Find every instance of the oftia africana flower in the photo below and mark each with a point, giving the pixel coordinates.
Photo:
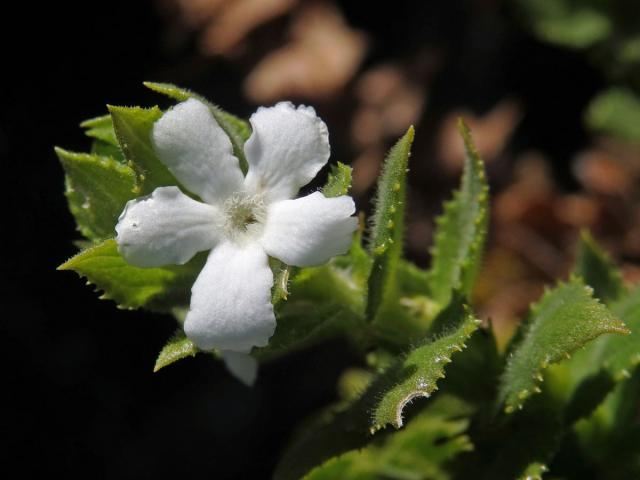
(242, 219)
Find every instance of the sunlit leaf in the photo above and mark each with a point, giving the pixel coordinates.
(133, 127)
(563, 320)
(161, 288)
(97, 189)
(177, 348)
(387, 230)
(421, 450)
(461, 230)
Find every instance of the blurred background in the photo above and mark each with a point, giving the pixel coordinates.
(550, 89)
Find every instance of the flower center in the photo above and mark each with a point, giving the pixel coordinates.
(244, 216)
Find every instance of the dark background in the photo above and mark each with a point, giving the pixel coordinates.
(81, 398)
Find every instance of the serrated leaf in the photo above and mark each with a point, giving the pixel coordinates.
(615, 112)
(461, 230)
(133, 127)
(105, 142)
(565, 319)
(100, 128)
(131, 287)
(421, 450)
(350, 427)
(237, 129)
(177, 348)
(418, 373)
(387, 230)
(593, 372)
(339, 181)
(97, 189)
(597, 270)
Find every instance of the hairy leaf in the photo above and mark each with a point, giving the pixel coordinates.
(350, 427)
(100, 128)
(105, 142)
(565, 319)
(597, 270)
(97, 189)
(418, 373)
(461, 230)
(132, 287)
(237, 129)
(177, 348)
(421, 450)
(133, 127)
(339, 181)
(387, 231)
(593, 372)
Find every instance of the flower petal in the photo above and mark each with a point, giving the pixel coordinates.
(309, 230)
(189, 141)
(241, 365)
(231, 300)
(286, 150)
(166, 228)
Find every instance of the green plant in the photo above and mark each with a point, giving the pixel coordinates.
(438, 399)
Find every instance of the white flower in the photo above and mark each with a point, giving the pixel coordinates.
(243, 220)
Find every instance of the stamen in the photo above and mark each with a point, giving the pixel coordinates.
(245, 215)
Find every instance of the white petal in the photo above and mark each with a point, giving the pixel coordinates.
(231, 300)
(309, 230)
(189, 141)
(285, 151)
(241, 365)
(166, 228)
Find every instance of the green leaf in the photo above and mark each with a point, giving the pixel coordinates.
(133, 127)
(615, 112)
(105, 142)
(418, 373)
(131, 287)
(593, 372)
(97, 189)
(387, 231)
(597, 270)
(237, 129)
(350, 427)
(570, 23)
(621, 354)
(322, 302)
(100, 128)
(421, 450)
(177, 348)
(461, 230)
(611, 435)
(565, 319)
(339, 181)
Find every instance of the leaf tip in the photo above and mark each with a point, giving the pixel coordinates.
(411, 132)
